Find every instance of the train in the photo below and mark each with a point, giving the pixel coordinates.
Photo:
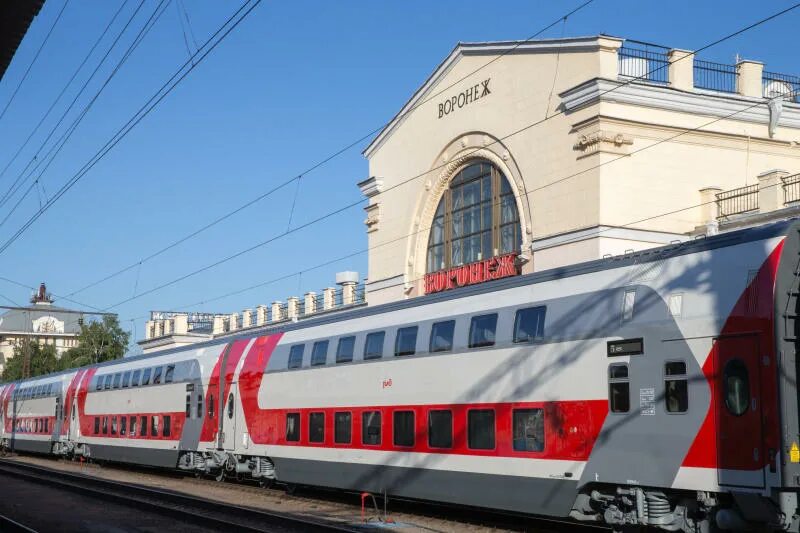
(652, 389)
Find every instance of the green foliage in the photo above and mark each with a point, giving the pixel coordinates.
(43, 360)
(98, 341)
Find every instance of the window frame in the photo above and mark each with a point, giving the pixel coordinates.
(668, 377)
(293, 361)
(395, 414)
(369, 356)
(158, 372)
(431, 429)
(482, 410)
(319, 353)
(617, 380)
(312, 437)
(397, 337)
(169, 374)
(524, 411)
(366, 418)
(294, 438)
(146, 374)
(135, 377)
(472, 325)
(542, 316)
(337, 417)
(344, 357)
(445, 323)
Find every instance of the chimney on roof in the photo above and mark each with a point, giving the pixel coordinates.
(41, 296)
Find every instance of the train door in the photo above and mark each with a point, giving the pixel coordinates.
(740, 447)
(229, 435)
(74, 423)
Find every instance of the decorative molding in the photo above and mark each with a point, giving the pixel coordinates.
(373, 217)
(608, 232)
(722, 105)
(371, 186)
(602, 141)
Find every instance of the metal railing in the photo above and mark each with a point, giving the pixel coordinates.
(715, 76)
(776, 84)
(736, 201)
(791, 189)
(645, 61)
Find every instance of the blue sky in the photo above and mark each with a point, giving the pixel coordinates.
(295, 82)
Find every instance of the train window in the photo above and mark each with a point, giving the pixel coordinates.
(373, 346)
(405, 342)
(344, 351)
(105, 425)
(169, 374)
(480, 429)
(114, 425)
(133, 426)
(188, 406)
(403, 428)
(230, 405)
(123, 424)
(371, 428)
(528, 430)
(440, 428)
(293, 427)
(481, 330)
(737, 387)
(97, 425)
(319, 353)
(442, 336)
(117, 380)
(36, 426)
(676, 387)
(143, 426)
(199, 405)
(126, 379)
(146, 376)
(210, 406)
(619, 391)
(154, 426)
(135, 380)
(107, 385)
(296, 356)
(167, 426)
(529, 324)
(316, 427)
(627, 305)
(342, 427)
(157, 375)
(46, 425)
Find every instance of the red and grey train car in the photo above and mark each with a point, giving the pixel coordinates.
(653, 389)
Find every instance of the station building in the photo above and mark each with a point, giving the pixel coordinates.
(519, 156)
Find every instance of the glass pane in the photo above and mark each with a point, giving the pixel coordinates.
(316, 427)
(508, 241)
(344, 352)
(371, 427)
(442, 336)
(404, 428)
(406, 341)
(529, 430)
(487, 250)
(293, 427)
(529, 324)
(373, 347)
(440, 429)
(296, 356)
(737, 387)
(457, 225)
(472, 193)
(342, 428)
(675, 368)
(677, 395)
(487, 215)
(481, 331)
(319, 354)
(456, 255)
(619, 394)
(486, 188)
(618, 371)
(480, 429)
(437, 231)
(508, 209)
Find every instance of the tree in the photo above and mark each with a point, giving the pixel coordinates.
(43, 360)
(98, 341)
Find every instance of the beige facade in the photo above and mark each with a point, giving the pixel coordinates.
(599, 163)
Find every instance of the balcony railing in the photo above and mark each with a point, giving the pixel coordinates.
(647, 62)
(785, 85)
(715, 76)
(791, 189)
(736, 201)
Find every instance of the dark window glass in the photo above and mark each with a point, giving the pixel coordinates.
(737, 387)
(188, 406)
(529, 324)
(480, 429)
(404, 428)
(210, 406)
(96, 425)
(133, 426)
(157, 375)
(440, 429)
(200, 405)
(168, 375)
(619, 393)
(481, 330)
(154, 426)
(342, 428)
(98, 385)
(293, 427)
(107, 385)
(230, 405)
(316, 427)
(296, 356)
(123, 423)
(143, 426)
(146, 376)
(137, 374)
(676, 387)
(373, 346)
(344, 352)
(114, 425)
(105, 425)
(319, 353)
(529, 430)
(167, 426)
(406, 341)
(442, 336)
(117, 380)
(126, 379)
(371, 427)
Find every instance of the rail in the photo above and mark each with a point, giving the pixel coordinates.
(737, 201)
(645, 61)
(715, 76)
(791, 189)
(785, 85)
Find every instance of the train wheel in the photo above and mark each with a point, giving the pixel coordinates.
(220, 476)
(266, 483)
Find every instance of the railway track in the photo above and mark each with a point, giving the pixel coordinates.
(182, 507)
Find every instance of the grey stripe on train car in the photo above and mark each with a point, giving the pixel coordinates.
(191, 375)
(139, 456)
(34, 446)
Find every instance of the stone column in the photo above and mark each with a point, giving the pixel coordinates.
(158, 330)
(277, 311)
(148, 330)
(328, 298)
(608, 56)
(681, 69)
(181, 324)
(348, 281)
(247, 318)
(770, 190)
(708, 209)
(219, 325)
(168, 326)
(749, 80)
(292, 305)
(261, 315)
(233, 322)
(310, 302)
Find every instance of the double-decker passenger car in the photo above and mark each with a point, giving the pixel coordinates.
(657, 389)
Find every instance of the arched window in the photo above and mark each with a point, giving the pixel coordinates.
(476, 219)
